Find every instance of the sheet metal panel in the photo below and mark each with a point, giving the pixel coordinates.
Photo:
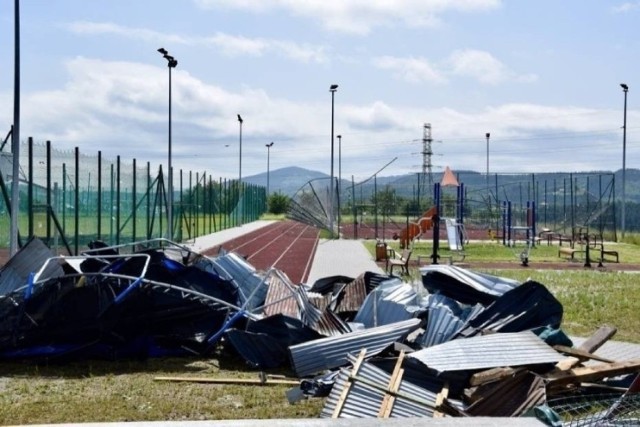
(364, 401)
(281, 298)
(446, 318)
(463, 285)
(251, 287)
(328, 353)
(29, 259)
(389, 303)
(488, 351)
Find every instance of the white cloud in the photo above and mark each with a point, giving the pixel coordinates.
(479, 65)
(626, 7)
(412, 70)
(360, 16)
(226, 43)
(121, 109)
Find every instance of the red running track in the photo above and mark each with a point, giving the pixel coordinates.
(288, 246)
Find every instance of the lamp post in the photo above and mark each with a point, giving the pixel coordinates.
(332, 89)
(487, 135)
(171, 63)
(269, 145)
(625, 89)
(240, 211)
(339, 181)
(15, 137)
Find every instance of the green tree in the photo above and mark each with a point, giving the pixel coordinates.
(278, 203)
(387, 201)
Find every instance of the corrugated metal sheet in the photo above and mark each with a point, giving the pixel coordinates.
(488, 351)
(259, 350)
(281, 298)
(391, 302)
(364, 401)
(446, 318)
(29, 259)
(352, 296)
(511, 397)
(465, 286)
(328, 353)
(525, 307)
(251, 286)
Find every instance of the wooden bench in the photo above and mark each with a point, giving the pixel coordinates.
(395, 260)
(568, 252)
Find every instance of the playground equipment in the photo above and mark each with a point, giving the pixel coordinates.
(415, 229)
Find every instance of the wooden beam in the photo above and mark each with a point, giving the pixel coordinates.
(580, 354)
(590, 374)
(245, 381)
(440, 398)
(347, 386)
(394, 385)
(595, 341)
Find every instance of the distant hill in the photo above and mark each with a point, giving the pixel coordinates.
(290, 179)
(286, 180)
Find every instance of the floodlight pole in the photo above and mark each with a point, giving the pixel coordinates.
(171, 63)
(269, 145)
(332, 89)
(487, 135)
(240, 202)
(625, 89)
(339, 180)
(15, 137)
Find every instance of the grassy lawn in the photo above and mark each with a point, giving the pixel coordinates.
(590, 297)
(102, 391)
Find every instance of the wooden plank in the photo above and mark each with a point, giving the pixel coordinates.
(590, 374)
(580, 354)
(347, 387)
(394, 384)
(440, 399)
(240, 381)
(489, 375)
(595, 341)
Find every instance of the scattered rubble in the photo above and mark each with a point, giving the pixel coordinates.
(462, 344)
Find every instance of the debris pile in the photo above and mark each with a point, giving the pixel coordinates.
(462, 344)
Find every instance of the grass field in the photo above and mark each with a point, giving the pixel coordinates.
(103, 391)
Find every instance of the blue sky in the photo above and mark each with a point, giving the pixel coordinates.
(542, 77)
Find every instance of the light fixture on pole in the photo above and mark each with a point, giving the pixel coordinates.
(269, 145)
(339, 181)
(488, 135)
(171, 63)
(332, 89)
(241, 211)
(625, 89)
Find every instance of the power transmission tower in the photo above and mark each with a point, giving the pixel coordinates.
(427, 152)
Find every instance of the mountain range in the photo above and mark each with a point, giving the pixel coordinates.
(289, 180)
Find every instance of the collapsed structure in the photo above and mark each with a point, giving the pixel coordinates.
(461, 344)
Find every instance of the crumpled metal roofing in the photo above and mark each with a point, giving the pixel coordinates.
(251, 286)
(465, 286)
(446, 318)
(392, 301)
(328, 353)
(364, 401)
(526, 307)
(488, 351)
(29, 259)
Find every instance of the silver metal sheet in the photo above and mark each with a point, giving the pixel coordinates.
(328, 353)
(488, 351)
(29, 259)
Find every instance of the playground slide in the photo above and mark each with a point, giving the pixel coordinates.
(414, 229)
